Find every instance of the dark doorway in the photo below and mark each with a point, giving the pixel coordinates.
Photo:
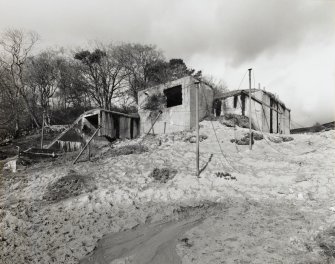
(217, 107)
(93, 119)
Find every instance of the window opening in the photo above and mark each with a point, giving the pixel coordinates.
(173, 96)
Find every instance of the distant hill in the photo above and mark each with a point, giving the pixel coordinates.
(314, 129)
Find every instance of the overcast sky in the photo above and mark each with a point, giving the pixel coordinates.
(288, 43)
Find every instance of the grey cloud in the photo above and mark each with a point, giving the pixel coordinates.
(239, 30)
(243, 30)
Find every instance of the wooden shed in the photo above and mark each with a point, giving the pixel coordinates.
(113, 125)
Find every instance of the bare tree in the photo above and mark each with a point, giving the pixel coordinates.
(141, 62)
(16, 47)
(9, 103)
(73, 91)
(43, 76)
(219, 86)
(103, 73)
(146, 66)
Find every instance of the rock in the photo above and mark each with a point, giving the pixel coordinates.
(286, 139)
(275, 139)
(193, 139)
(242, 141)
(10, 165)
(258, 136)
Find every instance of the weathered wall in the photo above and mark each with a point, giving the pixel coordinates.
(287, 121)
(262, 117)
(228, 106)
(266, 113)
(206, 95)
(176, 118)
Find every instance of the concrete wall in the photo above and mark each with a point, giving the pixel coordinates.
(286, 122)
(266, 113)
(260, 112)
(227, 106)
(173, 119)
(206, 95)
(256, 108)
(176, 118)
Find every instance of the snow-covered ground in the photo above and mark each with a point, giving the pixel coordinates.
(279, 198)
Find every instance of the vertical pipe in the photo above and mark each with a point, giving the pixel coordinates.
(42, 133)
(197, 125)
(250, 141)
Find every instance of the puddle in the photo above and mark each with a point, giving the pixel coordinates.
(151, 243)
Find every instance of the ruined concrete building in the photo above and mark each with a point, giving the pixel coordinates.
(179, 113)
(268, 113)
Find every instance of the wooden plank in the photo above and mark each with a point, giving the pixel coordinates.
(108, 125)
(64, 132)
(113, 126)
(122, 127)
(128, 128)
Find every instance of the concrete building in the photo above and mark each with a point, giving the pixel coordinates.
(268, 113)
(179, 113)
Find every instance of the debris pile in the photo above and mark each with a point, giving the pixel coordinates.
(68, 186)
(326, 241)
(193, 139)
(225, 175)
(231, 120)
(163, 175)
(279, 139)
(246, 139)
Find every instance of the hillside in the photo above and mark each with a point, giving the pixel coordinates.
(274, 204)
(313, 129)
